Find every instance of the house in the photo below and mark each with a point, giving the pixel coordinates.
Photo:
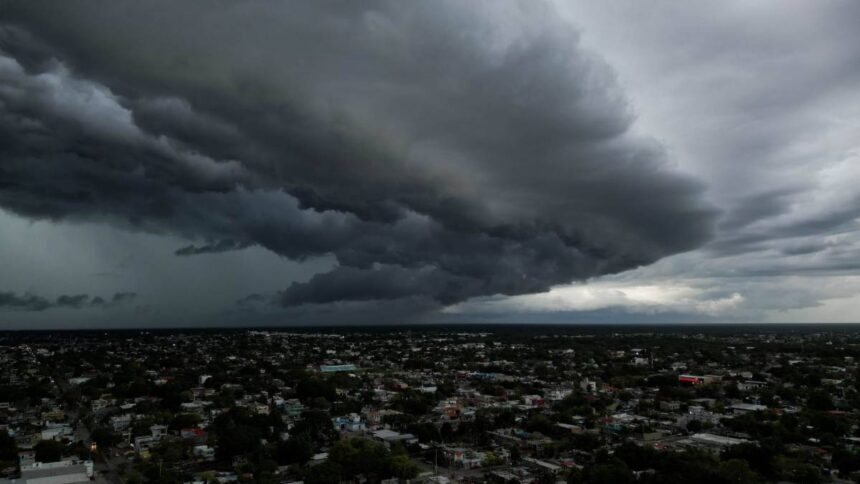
(558, 394)
(61, 472)
(543, 465)
(292, 407)
(99, 404)
(389, 436)
(121, 422)
(54, 415)
(751, 385)
(714, 443)
(351, 422)
(741, 408)
(670, 406)
(158, 431)
(192, 407)
(462, 457)
(56, 431)
(698, 379)
(142, 444)
(375, 417)
(204, 452)
(588, 386)
(574, 429)
(337, 368)
(197, 434)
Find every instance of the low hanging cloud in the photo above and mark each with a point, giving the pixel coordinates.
(223, 245)
(32, 302)
(444, 151)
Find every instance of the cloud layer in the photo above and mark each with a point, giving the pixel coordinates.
(32, 302)
(444, 151)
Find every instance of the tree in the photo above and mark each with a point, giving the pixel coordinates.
(361, 456)
(310, 388)
(402, 467)
(171, 395)
(694, 426)
(540, 423)
(612, 472)
(133, 477)
(505, 418)
(371, 459)
(236, 440)
(141, 426)
(326, 473)
(516, 455)
(8, 455)
(737, 470)
(49, 451)
(847, 462)
(184, 421)
(37, 390)
(8, 447)
(820, 400)
(732, 390)
(574, 476)
(317, 425)
(492, 459)
(426, 432)
(81, 450)
(759, 457)
(796, 471)
(447, 432)
(414, 404)
(104, 437)
(297, 450)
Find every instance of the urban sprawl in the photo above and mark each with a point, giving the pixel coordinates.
(434, 406)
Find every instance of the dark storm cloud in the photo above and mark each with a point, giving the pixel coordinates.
(27, 302)
(223, 245)
(121, 297)
(752, 208)
(252, 299)
(439, 151)
(789, 236)
(76, 301)
(32, 302)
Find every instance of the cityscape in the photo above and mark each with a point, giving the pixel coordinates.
(436, 405)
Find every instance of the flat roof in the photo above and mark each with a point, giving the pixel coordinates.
(717, 439)
(346, 367)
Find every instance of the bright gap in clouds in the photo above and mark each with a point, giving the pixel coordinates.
(641, 298)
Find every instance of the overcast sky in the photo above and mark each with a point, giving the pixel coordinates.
(221, 163)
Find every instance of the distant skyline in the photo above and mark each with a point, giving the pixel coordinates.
(255, 163)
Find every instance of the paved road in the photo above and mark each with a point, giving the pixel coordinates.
(105, 471)
(109, 465)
